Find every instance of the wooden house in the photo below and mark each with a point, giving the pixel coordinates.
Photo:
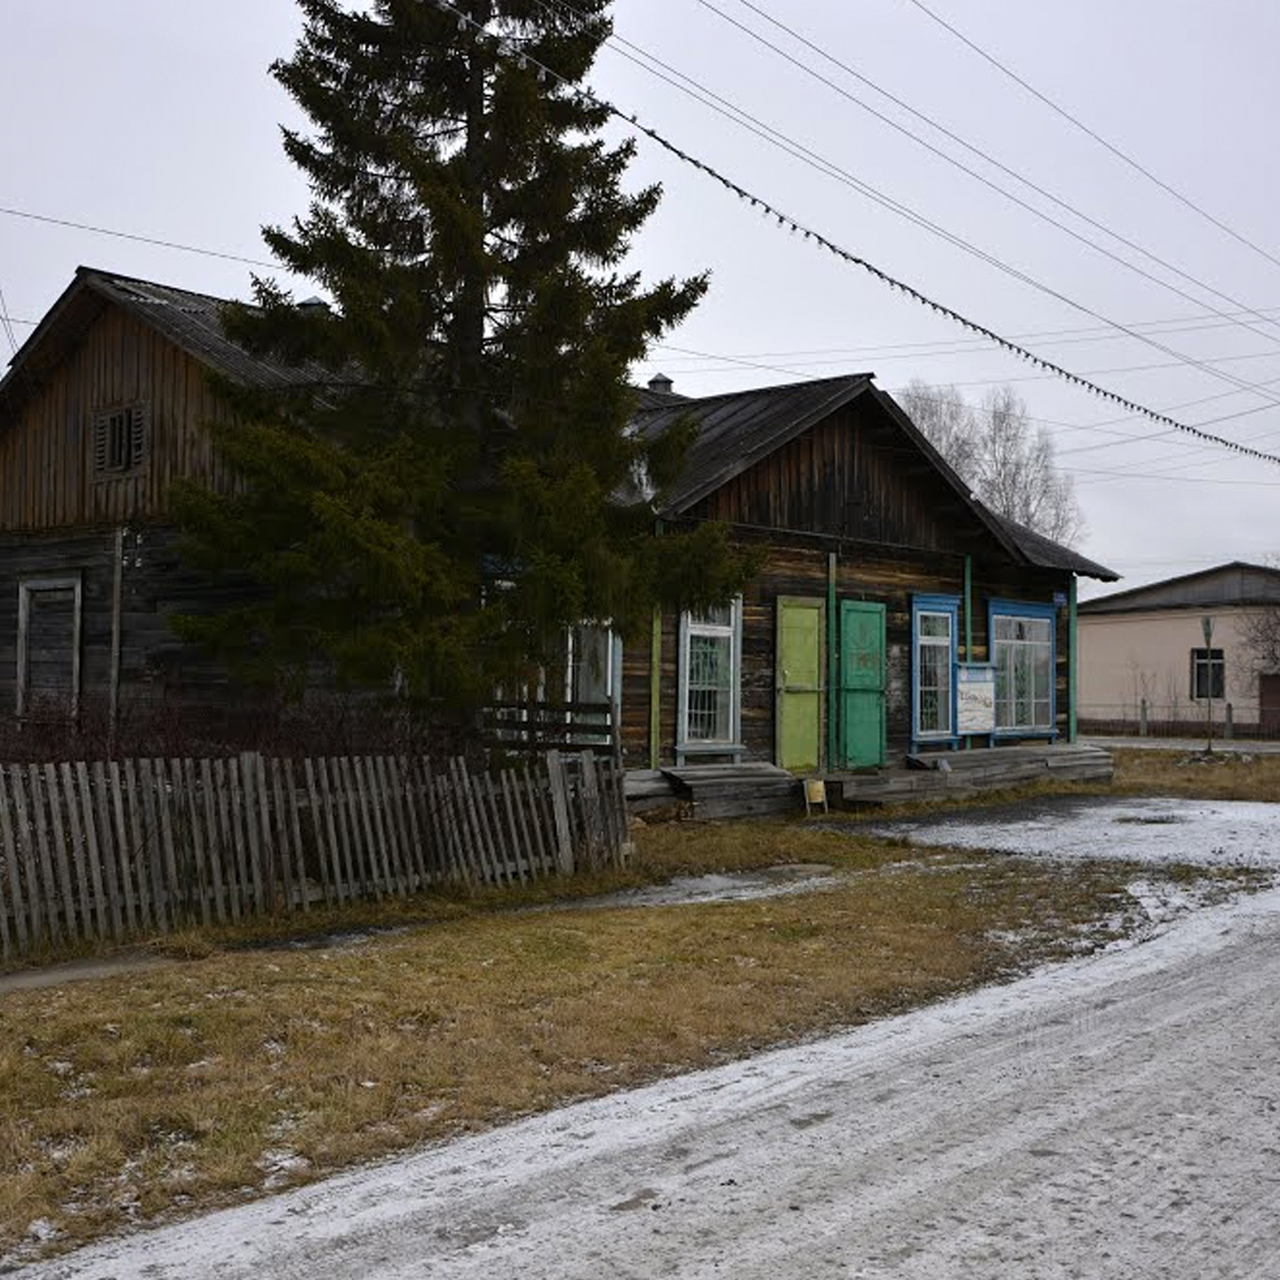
(893, 612)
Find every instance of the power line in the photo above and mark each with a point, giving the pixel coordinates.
(140, 239)
(990, 159)
(1101, 141)
(807, 156)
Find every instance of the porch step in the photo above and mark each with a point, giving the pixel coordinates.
(969, 772)
(714, 791)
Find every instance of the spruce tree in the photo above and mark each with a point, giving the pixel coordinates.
(442, 487)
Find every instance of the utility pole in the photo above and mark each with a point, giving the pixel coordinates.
(1206, 624)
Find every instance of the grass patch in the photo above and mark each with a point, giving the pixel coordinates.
(1227, 775)
(247, 1069)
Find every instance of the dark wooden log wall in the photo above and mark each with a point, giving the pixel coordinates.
(796, 565)
(46, 465)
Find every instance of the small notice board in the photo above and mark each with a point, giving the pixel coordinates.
(976, 697)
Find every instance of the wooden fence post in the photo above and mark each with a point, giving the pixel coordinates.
(560, 810)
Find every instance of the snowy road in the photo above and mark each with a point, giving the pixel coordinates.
(1114, 1117)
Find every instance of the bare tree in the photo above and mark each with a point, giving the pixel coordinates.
(1260, 634)
(994, 448)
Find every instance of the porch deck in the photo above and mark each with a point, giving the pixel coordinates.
(711, 791)
(960, 773)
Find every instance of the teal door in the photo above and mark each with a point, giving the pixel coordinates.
(861, 684)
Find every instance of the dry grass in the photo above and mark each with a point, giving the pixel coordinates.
(226, 1076)
(1225, 776)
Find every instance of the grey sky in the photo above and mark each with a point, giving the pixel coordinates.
(159, 118)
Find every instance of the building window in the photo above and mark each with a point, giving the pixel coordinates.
(1022, 652)
(119, 441)
(710, 685)
(48, 657)
(1208, 674)
(593, 678)
(933, 620)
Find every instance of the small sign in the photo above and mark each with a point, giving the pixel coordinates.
(976, 697)
(1206, 625)
(1059, 599)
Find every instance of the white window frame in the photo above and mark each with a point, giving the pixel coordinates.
(931, 606)
(691, 626)
(1022, 611)
(1206, 659)
(612, 672)
(27, 587)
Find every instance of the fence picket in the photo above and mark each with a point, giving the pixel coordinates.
(16, 902)
(48, 886)
(152, 843)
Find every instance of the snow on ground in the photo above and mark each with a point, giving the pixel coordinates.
(1118, 1115)
(1155, 831)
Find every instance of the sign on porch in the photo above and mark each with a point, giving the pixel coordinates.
(976, 697)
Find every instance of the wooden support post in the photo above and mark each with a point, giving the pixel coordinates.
(655, 692)
(833, 666)
(1073, 660)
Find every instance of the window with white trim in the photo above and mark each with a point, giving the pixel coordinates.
(1022, 652)
(935, 661)
(1208, 674)
(710, 685)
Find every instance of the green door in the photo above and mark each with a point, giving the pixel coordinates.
(799, 683)
(861, 684)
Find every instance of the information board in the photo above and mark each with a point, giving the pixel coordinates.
(976, 697)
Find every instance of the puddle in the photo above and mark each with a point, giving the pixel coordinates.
(731, 886)
(1240, 833)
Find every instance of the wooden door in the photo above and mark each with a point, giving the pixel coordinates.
(799, 683)
(1269, 705)
(862, 727)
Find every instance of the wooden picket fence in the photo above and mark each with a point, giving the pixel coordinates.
(121, 848)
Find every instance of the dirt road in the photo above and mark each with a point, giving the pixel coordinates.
(1119, 1116)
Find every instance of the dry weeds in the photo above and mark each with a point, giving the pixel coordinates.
(235, 1073)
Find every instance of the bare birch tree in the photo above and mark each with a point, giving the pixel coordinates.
(994, 447)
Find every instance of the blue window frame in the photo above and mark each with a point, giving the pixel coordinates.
(1022, 644)
(934, 626)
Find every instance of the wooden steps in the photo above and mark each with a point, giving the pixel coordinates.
(712, 791)
(967, 772)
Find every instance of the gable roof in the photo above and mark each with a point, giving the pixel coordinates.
(737, 429)
(191, 321)
(1235, 583)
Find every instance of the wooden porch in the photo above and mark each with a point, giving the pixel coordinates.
(714, 791)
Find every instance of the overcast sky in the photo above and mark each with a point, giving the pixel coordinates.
(159, 119)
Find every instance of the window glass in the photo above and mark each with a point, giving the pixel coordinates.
(1208, 673)
(710, 676)
(934, 661)
(1022, 651)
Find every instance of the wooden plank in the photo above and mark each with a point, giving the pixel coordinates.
(295, 835)
(326, 838)
(460, 841)
(161, 892)
(361, 831)
(348, 826)
(230, 851)
(281, 830)
(483, 786)
(386, 857)
(168, 791)
(135, 847)
(397, 829)
(117, 865)
(438, 849)
(413, 791)
(344, 877)
(592, 811)
(560, 813)
(31, 812)
(540, 849)
(521, 850)
(58, 844)
(16, 896)
(469, 838)
(79, 861)
(214, 845)
(191, 788)
(271, 858)
(250, 808)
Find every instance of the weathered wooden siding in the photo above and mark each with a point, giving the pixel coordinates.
(47, 478)
(853, 476)
(798, 566)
